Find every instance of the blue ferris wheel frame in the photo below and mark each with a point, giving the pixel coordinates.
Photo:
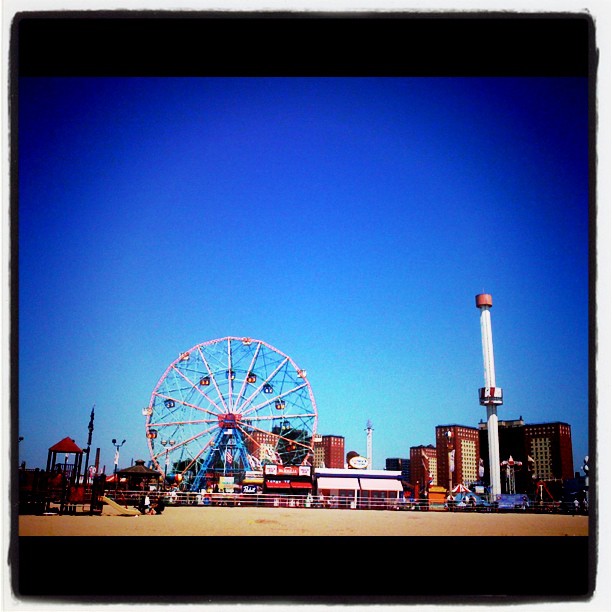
(228, 406)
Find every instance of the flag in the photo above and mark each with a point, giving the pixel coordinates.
(228, 457)
(480, 468)
(452, 460)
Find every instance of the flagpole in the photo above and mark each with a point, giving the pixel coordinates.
(90, 428)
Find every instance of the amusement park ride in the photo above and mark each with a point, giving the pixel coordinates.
(228, 406)
(490, 395)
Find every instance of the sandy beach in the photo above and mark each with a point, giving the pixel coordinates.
(242, 521)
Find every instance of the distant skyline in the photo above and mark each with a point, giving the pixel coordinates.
(348, 222)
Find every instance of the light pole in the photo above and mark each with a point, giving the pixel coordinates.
(167, 444)
(449, 447)
(117, 447)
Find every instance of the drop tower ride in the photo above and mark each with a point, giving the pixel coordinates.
(490, 395)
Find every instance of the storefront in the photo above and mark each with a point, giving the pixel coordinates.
(358, 488)
(287, 479)
(379, 492)
(339, 490)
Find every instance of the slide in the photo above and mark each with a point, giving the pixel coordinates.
(118, 507)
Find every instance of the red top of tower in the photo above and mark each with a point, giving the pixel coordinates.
(484, 299)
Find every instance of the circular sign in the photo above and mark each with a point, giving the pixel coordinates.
(358, 462)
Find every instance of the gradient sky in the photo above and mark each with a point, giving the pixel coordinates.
(348, 222)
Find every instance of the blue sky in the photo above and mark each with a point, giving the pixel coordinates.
(348, 222)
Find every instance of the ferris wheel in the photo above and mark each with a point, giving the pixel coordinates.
(227, 406)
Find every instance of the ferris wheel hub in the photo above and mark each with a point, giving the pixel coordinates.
(229, 421)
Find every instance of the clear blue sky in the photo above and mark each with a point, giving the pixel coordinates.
(347, 222)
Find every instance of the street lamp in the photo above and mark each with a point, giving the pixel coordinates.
(449, 447)
(117, 447)
(167, 444)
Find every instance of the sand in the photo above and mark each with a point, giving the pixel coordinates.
(243, 521)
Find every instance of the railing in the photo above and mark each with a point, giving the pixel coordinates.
(270, 500)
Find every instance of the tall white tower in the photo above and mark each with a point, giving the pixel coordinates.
(369, 430)
(490, 395)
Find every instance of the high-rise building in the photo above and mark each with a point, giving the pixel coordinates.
(541, 451)
(458, 453)
(329, 451)
(399, 465)
(550, 447)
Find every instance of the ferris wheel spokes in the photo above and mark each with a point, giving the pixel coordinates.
(213, 378)
(261, 387)
(278, 436)
(248, 374)
(185, 443)
(169, 398)
(195, 388)
(275, 398)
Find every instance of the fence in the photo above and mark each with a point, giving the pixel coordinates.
(269, 500)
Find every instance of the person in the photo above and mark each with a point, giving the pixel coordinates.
(145, 504)
(450, 502)
(159, 506)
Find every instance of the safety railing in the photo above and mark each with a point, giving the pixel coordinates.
(270, 500)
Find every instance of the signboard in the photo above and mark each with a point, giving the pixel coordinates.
(226, 483)
(249, 488)
(358, 462)
(287, 470)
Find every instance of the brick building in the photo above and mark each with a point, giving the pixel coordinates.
(329, 451)
(543, 449)
(423, 467)
(458, 454)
